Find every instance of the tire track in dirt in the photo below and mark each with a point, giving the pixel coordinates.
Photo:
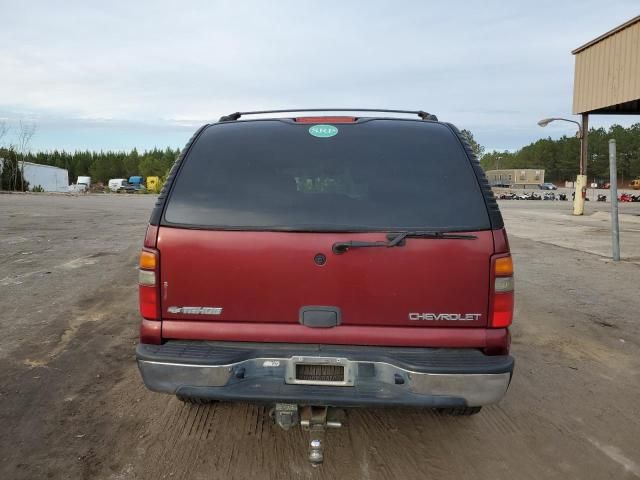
(240, 442)
(571, 411)
(496, 420)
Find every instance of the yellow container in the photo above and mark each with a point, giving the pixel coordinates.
(153, 184)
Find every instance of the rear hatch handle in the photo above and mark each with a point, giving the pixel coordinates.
(398, 240)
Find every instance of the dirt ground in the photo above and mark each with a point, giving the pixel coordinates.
(72, 404)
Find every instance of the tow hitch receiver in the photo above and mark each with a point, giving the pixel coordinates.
(313, 419)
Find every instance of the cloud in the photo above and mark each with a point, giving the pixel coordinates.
(493, 67)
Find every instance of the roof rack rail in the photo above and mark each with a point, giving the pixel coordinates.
(423, 115)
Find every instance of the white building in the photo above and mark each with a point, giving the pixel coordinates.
(52, 179)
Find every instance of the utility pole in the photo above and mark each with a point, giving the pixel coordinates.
(613, 182)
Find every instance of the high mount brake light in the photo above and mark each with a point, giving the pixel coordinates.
(325, 119)
(501, 309)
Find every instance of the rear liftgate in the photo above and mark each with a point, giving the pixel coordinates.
(324, 371)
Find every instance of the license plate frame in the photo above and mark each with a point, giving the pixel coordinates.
(348, 369)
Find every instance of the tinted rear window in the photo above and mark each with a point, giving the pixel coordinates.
(373, 175)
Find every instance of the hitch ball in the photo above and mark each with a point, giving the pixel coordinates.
(316, 456)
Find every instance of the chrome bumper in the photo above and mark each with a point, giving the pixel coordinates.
(381, 383)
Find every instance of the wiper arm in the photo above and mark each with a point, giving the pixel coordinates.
(398, 240)
(341, 247)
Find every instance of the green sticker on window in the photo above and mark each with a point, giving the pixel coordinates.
(323, 131)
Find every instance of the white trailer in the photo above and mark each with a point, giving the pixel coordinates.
(51, 179)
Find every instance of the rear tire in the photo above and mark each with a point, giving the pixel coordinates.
(459, 411)
(194, 400)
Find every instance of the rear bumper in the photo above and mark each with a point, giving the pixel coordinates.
(373, 376)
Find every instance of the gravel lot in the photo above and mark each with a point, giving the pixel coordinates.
(72, 404)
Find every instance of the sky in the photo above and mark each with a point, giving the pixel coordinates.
(118, 75)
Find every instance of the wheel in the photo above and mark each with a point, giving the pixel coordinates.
(194, 400)
(458, 411)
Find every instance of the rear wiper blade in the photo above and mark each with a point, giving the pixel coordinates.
(398, 240)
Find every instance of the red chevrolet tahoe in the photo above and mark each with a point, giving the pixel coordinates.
(327, 262)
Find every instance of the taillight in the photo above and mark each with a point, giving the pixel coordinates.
(148, 259)
(501, 309)
(148, 284)
(148, 302)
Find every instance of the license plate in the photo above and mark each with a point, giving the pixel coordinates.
(319, 373)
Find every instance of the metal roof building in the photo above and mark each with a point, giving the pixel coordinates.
(607, 72)
(516, 177)
(606, 81)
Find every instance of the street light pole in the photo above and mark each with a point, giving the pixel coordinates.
(581, 179)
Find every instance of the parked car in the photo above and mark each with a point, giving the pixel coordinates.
(547, 186)
(311, 263)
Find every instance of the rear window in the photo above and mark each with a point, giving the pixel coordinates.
(372, 175)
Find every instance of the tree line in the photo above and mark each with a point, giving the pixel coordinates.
(100, 166)
(103, 165)
(559, 158)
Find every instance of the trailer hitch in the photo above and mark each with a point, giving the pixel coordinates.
(312, 419)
